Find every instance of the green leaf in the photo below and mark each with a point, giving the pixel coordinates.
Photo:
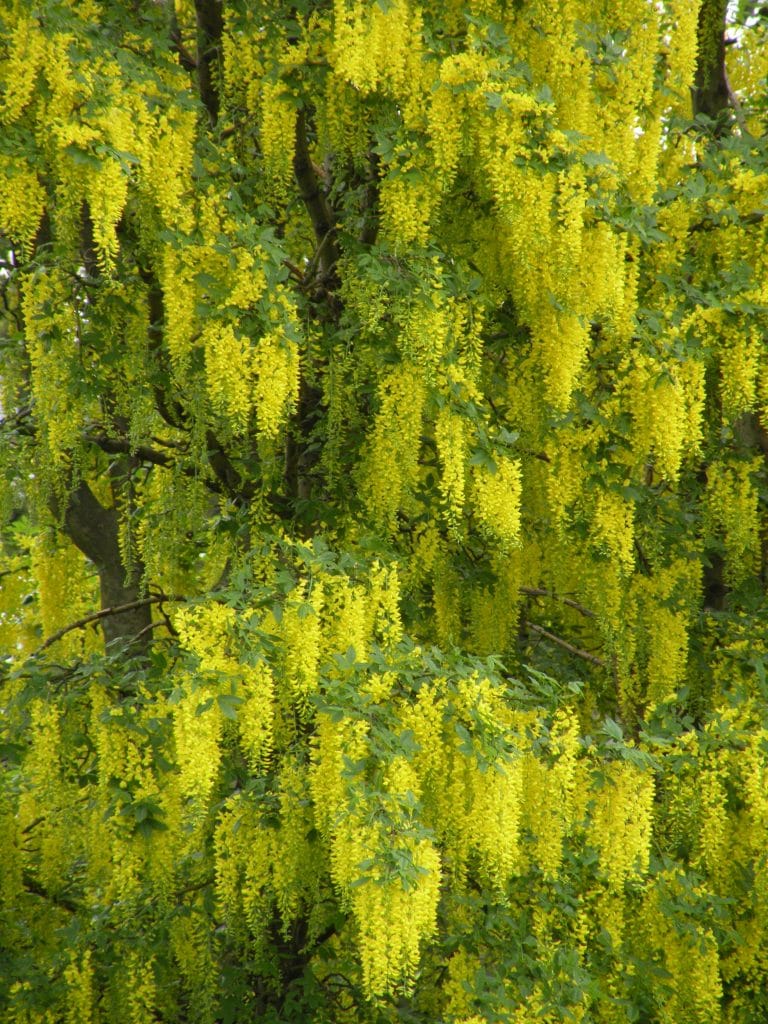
(228, 705)
(613, 730)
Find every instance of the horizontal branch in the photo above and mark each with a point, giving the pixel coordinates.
(33, 825)
(585, 655)
(121, 446)
(540, 592)
(32, 886)
(225, 482)
(104, 613)
(755, 217)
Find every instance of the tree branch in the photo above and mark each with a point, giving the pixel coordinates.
(121, 446)
(539, 592)
(712, 93)
(592, 658)
(119, 609)
(34, 888)
(370, 202)
(318, 207)
(210, 25)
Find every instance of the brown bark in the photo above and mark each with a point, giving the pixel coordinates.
(711, 91)
(210, 25)
(94, 530)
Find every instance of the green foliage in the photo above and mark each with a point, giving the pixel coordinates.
(382, 488)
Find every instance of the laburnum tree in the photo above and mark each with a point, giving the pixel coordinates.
(383, 485)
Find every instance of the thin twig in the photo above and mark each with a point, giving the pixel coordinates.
(195, 886)
(150, 626)
(33, 825)
(565, 645)
(34, 887)
(540, 592)
(95, 616)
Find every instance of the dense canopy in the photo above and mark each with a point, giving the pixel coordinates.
(383, 499)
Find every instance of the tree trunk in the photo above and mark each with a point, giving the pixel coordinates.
(94, 530)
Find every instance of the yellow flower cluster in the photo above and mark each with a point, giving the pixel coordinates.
(494, 612)
(296, 863)
(344, 121)
(376, 46)
(204, 630)
(26, 56)
(21, 202)
(277, 136)
(624, 315)
(331, 743)
(393, 921)
(425, 326)
(620, 824)
(228, 373)
(391, 467)
(548, 795)
(255, 718)
(78, 975)
(64, 593)
(613, 529)
(193, 954)
(43, 762)
(660, 607)
(451, 438)
(134, 142)
(141, 988)
(695, 990)
(740, 359)
(604, 253)
(114, 132)
(457, 986)
(562, 344)
(197, 718)
(255, 849)
(497, 501)
(228, 861)
(754, 763)
(50, 327)
(179, 298)
(197, 739)
(246, 278)
(668, 652)
(681, 50)
(11, 860)
(747, 70)
(446, 598)
(348, 617)
(275, 362)
(445, 133)
(569, 209)
(166, 164)
(565, 476)
(712, 819)
(407, 198)
(46, 794)
(494, 820)
(475, 808)
(302, 637)
(18, 626)
(524, 201)
(660, 418)
(384, 599)
(732, 510)
(243, 61)
(257, 867)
